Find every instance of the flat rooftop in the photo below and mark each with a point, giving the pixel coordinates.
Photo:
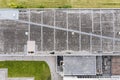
(79, 65)
(60, 30)
(116, 65)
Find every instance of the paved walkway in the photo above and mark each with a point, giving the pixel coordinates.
(19, 78)
(3, 74)
(51, 60)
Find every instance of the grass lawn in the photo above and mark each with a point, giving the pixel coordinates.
(37, 69)
(59, 3)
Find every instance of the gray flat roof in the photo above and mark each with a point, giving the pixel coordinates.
(79, 65)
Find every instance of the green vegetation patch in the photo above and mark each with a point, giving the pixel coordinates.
(60, 3)
(65, 6)
(37, 69)
(111, 4)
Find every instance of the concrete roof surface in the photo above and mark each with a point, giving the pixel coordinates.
(78, 65)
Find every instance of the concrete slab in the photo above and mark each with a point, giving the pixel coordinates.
(75, 78)
(25, 78)
(3, 74)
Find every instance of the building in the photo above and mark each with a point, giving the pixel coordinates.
(85, 42)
